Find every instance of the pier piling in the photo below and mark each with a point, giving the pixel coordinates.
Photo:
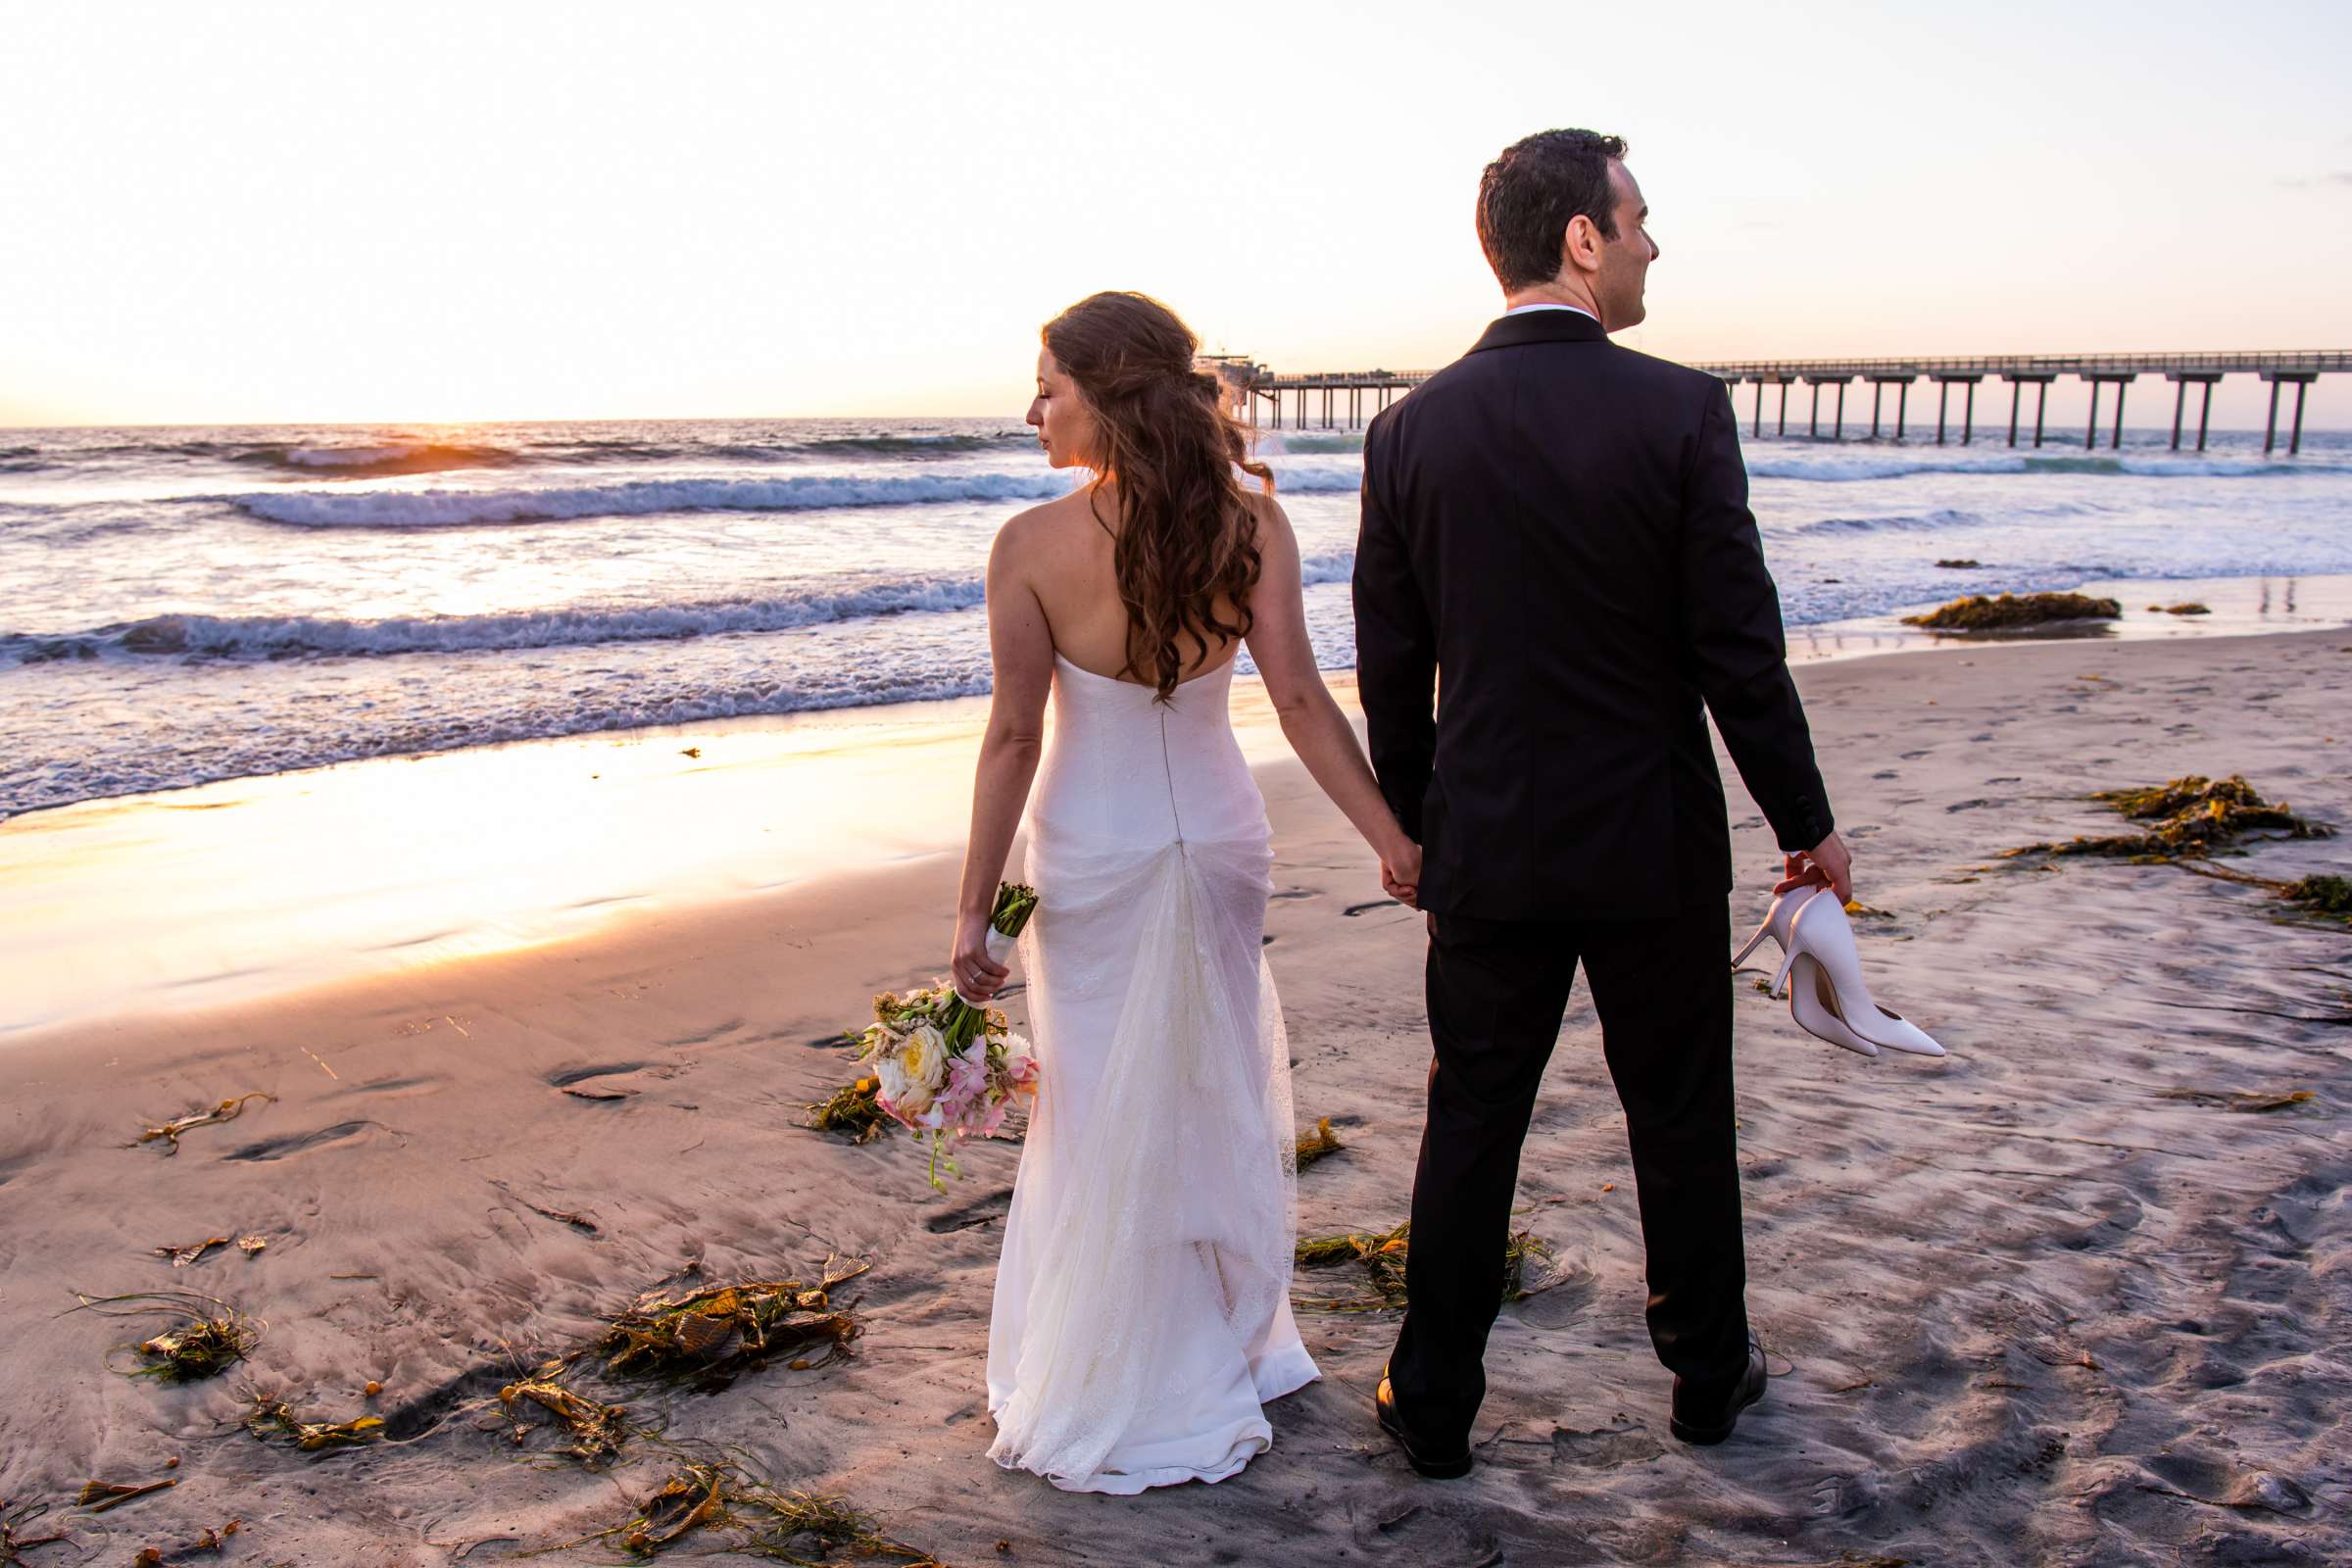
(2302, 380)
(1901, 381)
(2118, 379)
(2181, 381)
(1943, 387)
(2018, 381)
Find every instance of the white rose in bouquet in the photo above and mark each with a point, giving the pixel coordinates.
(925, 1056)
(891, 1073)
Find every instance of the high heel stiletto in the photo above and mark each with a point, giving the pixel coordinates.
(1814, 1006)
(1830, 1000)
(1776, 921)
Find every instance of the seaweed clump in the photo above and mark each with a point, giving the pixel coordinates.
(855, 1109)
(597, 1431)
(1315, 1145)
(18, 1516)
(1383, 1256)
(2186, 608)
(2009, 611)
(803, 1528)
(2188, 818)
(275, 1418)
(213, 1338)
(2323, 894)
(728, 1328)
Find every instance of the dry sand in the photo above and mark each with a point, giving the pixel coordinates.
(2027, 1305)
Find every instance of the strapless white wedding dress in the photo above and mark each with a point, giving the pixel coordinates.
(1142, 1315)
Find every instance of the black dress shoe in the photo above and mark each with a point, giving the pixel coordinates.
(1705, 1416)
(1436, 1466)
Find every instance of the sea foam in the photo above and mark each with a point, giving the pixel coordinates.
(274, 637)
(457, 508)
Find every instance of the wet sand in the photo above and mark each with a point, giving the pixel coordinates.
(2037, 1302)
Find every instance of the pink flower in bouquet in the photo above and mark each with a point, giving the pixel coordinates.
(968, 1072)
(1020, 1070)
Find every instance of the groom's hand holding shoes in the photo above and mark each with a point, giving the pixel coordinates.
(1825, 864)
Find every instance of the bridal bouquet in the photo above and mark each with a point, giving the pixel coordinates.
(946, 1066)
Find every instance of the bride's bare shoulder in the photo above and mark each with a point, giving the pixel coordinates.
(1047, 532)
(1273, 524)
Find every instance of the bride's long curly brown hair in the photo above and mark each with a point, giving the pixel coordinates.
(1187, 542)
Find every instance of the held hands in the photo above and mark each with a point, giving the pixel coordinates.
(974, 972)
(1825, 864)
(1400, 873)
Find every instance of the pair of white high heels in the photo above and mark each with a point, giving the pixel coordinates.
(1822, 972)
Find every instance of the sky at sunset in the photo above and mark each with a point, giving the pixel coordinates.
(361, 212)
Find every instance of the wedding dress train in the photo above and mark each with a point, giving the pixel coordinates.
(1142, 1314)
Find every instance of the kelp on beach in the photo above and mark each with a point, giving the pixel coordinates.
(274, 1418)
(97, 1496)
(195, 1252)
(855, 1109)
(596, 1430)
(15, 1518)
(805, 1529)
(2189, 817)
(1317, 1143)
(2012, 611)
(1383, 1255)
(2192, 818)
(228, 1110)
(213, 1336)
(721, 1328)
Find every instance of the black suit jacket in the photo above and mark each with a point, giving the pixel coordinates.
(1556, 531)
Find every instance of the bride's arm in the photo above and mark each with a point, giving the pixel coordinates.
(1311, 721)
(1021, 650)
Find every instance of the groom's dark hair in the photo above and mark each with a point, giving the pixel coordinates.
(1528, 195)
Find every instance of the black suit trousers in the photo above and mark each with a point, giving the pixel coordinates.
(1498, 992)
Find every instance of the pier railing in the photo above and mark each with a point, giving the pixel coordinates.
(2296, 368)
(2313, 361)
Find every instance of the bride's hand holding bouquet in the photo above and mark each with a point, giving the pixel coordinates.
(946, 1062)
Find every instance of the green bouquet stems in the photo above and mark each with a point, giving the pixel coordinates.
(1017, 901)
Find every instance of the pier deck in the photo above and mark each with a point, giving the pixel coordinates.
(2296, 368)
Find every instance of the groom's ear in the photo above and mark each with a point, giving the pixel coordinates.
(1580, 246)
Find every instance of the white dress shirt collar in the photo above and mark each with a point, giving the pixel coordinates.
(1546, 305)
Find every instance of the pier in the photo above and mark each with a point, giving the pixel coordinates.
(1342, 397)
(1248, 384)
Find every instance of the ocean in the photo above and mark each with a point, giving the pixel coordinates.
(182, 605)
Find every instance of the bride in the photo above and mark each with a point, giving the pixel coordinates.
(1142, 1315)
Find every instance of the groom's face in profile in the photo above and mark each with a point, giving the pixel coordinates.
(1623, 270)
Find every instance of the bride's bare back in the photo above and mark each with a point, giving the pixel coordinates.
(1064, 552)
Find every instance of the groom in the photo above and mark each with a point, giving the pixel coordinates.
(1560, 527)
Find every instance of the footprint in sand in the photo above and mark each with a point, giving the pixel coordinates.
(1421, 1533)
(1603, 1447)
(398, 1088)
(270, 1148)
(604, 1083)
